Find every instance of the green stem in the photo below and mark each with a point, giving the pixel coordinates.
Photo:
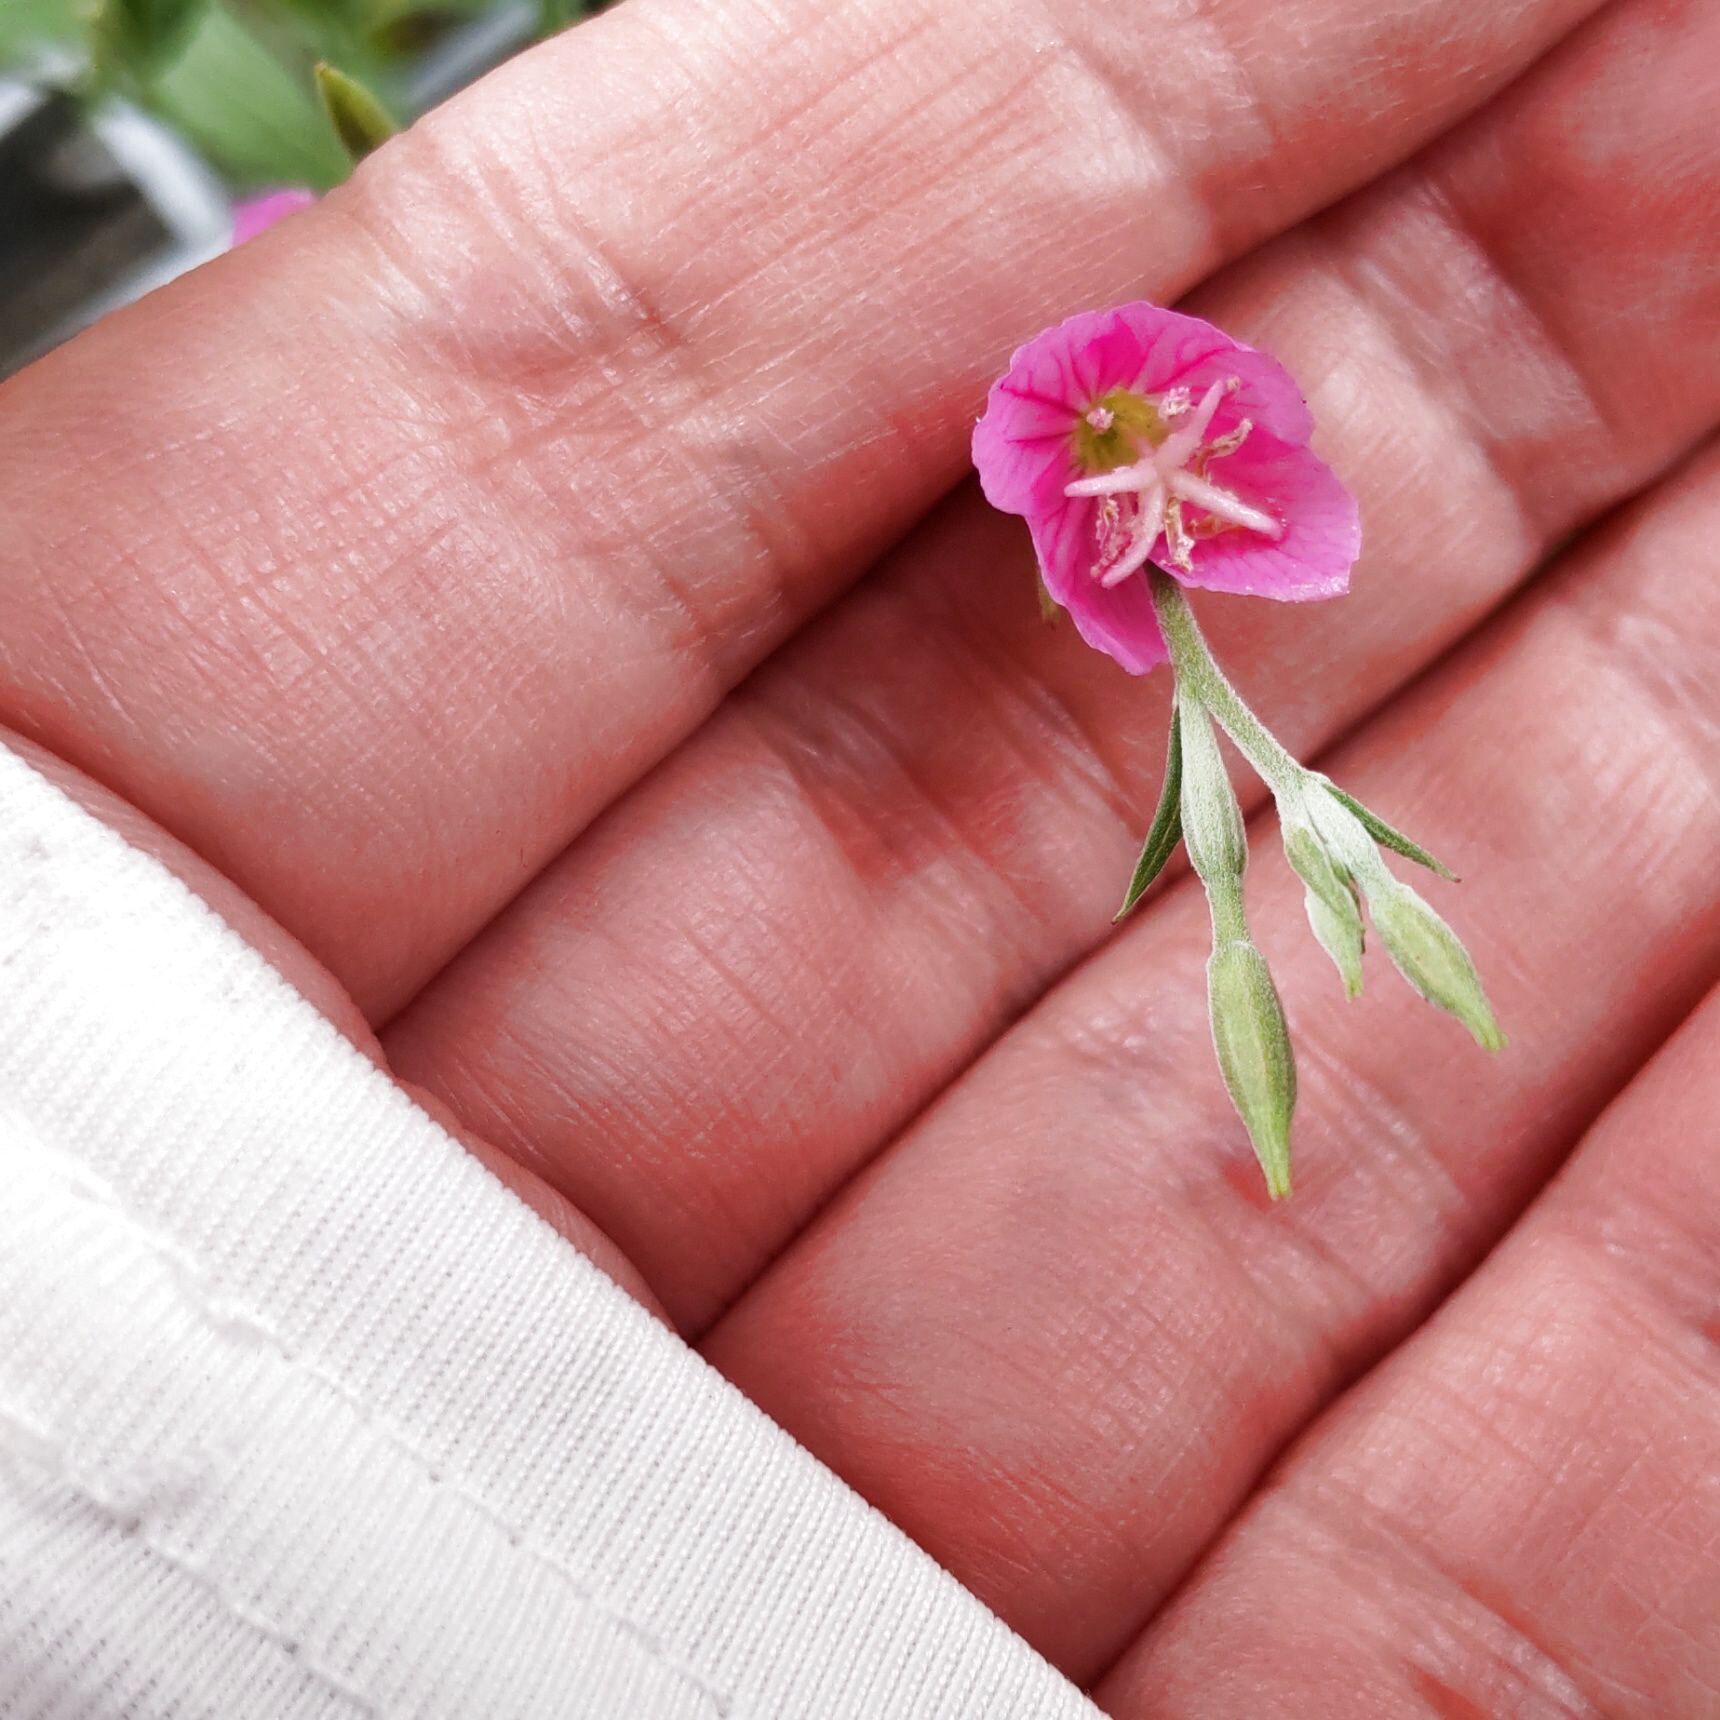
(1229, 918)
(1200, 676)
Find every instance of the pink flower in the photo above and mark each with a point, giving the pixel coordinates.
(255, 213)
(1139, 435)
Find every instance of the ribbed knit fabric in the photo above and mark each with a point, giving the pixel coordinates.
(302, 1414)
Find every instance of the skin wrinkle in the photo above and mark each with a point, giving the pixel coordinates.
(1004, 127)
(1514, 310)
(1399, 1534)
(1370, 289)
(1671, 741)
(587, 1111)
(896, 754)
(1630, 1234)
(257, 652)
(785, 124)
(994, 1534)
(1671, 694)
(755, 999)
(1483, 1611)
(666, 407)
(1417, 1183)
(1249, 117)
(1530, 317)
(806, 749)
(84, 658)
(1220, 1264)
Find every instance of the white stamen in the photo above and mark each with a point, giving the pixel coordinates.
(1228, 443)
(1177, 535)
(1144, 534)
(1186, 438)
(1125, 481)
(1101, 418)
(1221, 504)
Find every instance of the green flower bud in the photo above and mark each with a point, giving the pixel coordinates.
(359, 119)
(1429, 956)
(1331, 903)
(1253, 1044)
(1211, 818)
(1341, 833)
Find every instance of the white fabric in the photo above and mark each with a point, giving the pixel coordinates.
(301, 1413)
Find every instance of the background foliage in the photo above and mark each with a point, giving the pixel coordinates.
(234, 77)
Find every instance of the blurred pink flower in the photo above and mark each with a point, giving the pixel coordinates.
(1140, 435)
(252, 215)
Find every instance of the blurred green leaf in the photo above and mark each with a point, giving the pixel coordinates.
(301, 32)
(380, 16)
(248, 113)
(133, 41)
(26, 25)
(359, 119)
(345, 15)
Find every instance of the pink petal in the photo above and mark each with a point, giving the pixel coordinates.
(1322, 527)
(1030, 414)
(1119, 621)
(254, 214)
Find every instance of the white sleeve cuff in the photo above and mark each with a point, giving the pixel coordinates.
(302, 1413)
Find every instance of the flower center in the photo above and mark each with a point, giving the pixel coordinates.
(1148, 462)
(1112, 432)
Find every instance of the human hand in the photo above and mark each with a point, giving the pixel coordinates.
(409, 569)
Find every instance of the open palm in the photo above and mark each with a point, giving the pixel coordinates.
(522, 595)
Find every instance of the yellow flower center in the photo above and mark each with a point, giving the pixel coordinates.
(1117, 430)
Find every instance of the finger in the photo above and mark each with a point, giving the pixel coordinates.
(1518, 1514)
(1057, 1330)
(772, 954)
(425, 524)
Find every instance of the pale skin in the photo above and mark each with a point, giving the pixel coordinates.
(402, 578)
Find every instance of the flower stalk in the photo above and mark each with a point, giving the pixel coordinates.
(1331, 841)
(1147, 451)
(1197, 672)
(1249, 1032)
